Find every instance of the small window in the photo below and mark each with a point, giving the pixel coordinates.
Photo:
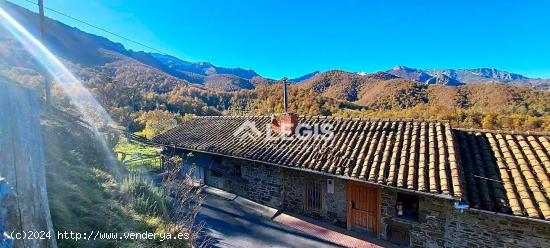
(312, 196)
(407, 206)
(216, 173)
(216, 167)
(236, 172)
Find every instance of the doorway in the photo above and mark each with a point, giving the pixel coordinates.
(363, 202)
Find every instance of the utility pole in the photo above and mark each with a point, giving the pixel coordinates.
(47, 87)
(285, 96)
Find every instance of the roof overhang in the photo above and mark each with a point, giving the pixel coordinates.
(440, 196)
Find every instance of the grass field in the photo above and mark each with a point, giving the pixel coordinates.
(138, 158)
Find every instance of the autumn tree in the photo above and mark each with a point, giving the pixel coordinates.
(157, 121)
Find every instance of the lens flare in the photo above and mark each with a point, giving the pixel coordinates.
(90, 109)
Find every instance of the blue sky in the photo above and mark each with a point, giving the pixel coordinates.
(292, 38)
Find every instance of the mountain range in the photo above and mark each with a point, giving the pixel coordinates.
(94, 58)
(455, 77)
(68, 42)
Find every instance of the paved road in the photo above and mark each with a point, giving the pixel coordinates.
(236, 222)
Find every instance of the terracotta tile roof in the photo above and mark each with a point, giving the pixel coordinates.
(506, 172)
(415, 155)
(495, 171)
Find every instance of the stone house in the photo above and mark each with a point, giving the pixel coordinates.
(413, 182)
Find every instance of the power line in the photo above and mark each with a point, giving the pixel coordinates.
(98, 28)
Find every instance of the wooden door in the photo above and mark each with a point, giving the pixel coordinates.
(363, 207)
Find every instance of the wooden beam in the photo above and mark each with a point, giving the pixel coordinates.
(379, 212)
(348, 202)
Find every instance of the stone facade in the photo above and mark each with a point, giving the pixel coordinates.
(427, 231)
(213, 180)
(333, 204)
(281, 188)
(438, 224)
(481, 229)
(263, 183)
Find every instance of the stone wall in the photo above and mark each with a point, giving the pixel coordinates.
(214, 181)
(258, 182)
(263, 183)
(480, 229)
(427, 231)
(281, 188)
(441, 225)
(333, 204)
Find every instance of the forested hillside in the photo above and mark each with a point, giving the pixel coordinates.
(134, 85)
(492, 105)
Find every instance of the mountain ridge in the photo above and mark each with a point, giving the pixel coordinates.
(205, 74)
(456, 77)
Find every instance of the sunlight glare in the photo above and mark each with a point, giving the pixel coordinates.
(90, 109)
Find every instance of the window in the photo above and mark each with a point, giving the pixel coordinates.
(236, 171)
(216, 167)
(407, 206)
(312, 196)
(216, 173)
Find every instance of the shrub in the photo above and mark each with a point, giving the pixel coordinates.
(144, 197)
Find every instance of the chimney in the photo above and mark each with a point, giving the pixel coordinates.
(286, 122)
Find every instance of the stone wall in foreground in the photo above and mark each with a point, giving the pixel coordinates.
(427, 231)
